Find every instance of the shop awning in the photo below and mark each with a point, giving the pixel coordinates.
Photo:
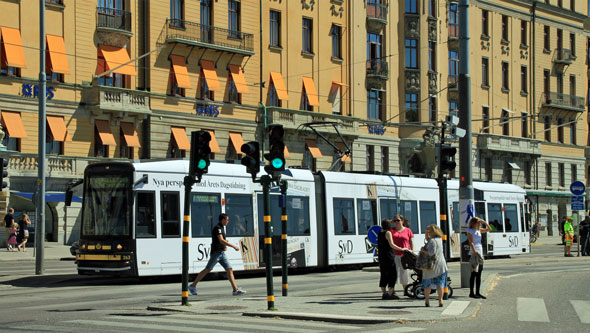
(180, 72)
(57, 126)
(213, 143)
(179, 134)
(49, 197)
(104, 131)
(237, 141)
(208, 68)
(117, 56)
(238, 77)
(13, 124)
(342, 147)
(130, 135)
(57, 54)
(279, 84)
(313, 148)
(13, 47)
(312, 95)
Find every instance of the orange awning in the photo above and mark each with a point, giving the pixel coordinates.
(237, 141)
(286, 152)
(130, 135)
(342, 147)
(313, 148)
(277, 81)
(117, 56)
(238, 77)
(179, 134)
(208, 69)
(104, 131)
(58, 128)
(13, 46)
(57, 54)
(213, 143)
(180, 72)
(312, 95)
(13, 124)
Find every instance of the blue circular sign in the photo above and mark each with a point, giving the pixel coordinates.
(577, 188)
(373, 232)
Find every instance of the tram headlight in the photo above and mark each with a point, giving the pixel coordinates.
(119, 247)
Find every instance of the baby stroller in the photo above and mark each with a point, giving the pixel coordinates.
(414, 288)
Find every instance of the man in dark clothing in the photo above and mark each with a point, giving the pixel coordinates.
(8, 221)
(584, 236)
(561, 231)
(218, 246)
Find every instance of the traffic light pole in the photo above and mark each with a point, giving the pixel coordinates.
(265, 182)
(40, 214)
(188, 185)
(442, 193)
(284, 267)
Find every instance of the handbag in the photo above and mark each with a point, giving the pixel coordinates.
(425, 261)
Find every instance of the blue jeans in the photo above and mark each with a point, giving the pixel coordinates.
(218, 257)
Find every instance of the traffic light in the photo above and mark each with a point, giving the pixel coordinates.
(3, 173)
(252, 158)
(276, 155)
(447, 158)
(200, 151)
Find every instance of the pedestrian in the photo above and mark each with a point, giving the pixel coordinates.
(8, 221)
(404, 238)
(561, 230)
(568, 233)
(386, 255)
(437, 276)
(12, 237)
(23, 232)
(219, 245)
(584, 233)
(476, 260)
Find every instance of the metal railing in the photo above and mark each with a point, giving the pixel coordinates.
(191, 31)
(377, 11)
(555, 99)
(564, 56)
(113, 18)
(377, 67)
(453, 81)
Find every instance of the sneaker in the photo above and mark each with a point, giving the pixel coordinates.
(238, 292)
(192, 289)
(394, 296)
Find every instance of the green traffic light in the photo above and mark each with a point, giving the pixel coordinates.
(202, 164)
(277, 163)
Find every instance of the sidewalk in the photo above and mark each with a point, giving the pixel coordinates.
(52, 251)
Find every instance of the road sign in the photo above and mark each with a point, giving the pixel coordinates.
(577, 202)
(577, 188)
(373, 232)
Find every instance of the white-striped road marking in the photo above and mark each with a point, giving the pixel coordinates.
(582, 310)
(455, 308)
(105, 324)
(531, 309)
(398, 329)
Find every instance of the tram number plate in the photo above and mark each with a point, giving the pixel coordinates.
(513, 241)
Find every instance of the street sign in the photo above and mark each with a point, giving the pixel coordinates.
(577, 188)
(577, 202)
(373, 233)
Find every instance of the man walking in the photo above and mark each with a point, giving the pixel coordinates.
(218, 246)
(8, 221)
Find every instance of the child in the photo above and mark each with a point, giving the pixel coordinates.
(12, 237)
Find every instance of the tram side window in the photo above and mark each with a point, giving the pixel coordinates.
(298, 216)
(145, 216)
(170, 211)
(205, 210)
(388, 208)
(480, 210)
(427, 215)
(510, 218)
(241, 215)
(409, 209)
(495, 217)
(524, 226)
(367, 213)
(344, 223)
(275, 215)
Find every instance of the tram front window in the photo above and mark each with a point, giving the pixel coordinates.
(106, 206)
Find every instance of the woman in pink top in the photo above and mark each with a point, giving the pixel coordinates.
(404, 238)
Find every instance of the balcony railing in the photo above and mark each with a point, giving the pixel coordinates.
(453, 81)
(117, 99)
(112, 18)
(568, 102)
(563, 56)
(181, 31)
(378, 68)
(292, 119)
(377, 11)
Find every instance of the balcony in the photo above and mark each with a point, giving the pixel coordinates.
(453, 29)
(453, 82)
(563, 101)
(206, 36)
(101, 98)
(292, 119)
(508, 144)
(26, 165)
(563, 56)
(113, 20)
(376, 16)
(377, 68)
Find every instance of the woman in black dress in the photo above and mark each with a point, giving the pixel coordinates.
(386, 255)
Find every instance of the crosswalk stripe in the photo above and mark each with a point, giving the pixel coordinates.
(531, 309)
(138, 325)
(455, 308)
(398, 329)
(45, 328)
(582, 310)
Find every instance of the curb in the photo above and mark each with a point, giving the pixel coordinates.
(324, 317)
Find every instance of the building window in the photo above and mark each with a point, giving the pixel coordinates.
(485, 115)
(560, 3)
(573, 44)
(485, 72)
(371, 158)
(232, 92)
(432, 8)
(488, 169)
(432, 56)
(305, 106)
(548, 180)
(53, 146)
(307, 25)
(336, 41)
(125, 151)
(309, 160)
(505, 121)
(559, 39)
(546, 44)
(175, 90)
(273, 98)
(204, 91)
(275, 28)
(560, 130)
(336, 98)
(524, 128)
(561, 175)
(505, 28)
(485, 22)
(505, 77)
(573, 5)
(233, 18)
(453, 19)
(453, 106)
(546, 84)
(559, 77)
(432, 110)
(523, 32)
(412, 6)
(411, 53)
(573, 88)
(113, 79)
(173, 150)
(411, 107)
(100, 150)
(375, 102)
(453, 68)
(9, 142)
(573, 139)
(547, 128)
(374, 46)
(523, 80)
(177, 13)
(507, 173)
(574, 172)
(206, 21)
(385, 159)
(527, 172)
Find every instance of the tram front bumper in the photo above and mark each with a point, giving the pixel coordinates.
(105, 264)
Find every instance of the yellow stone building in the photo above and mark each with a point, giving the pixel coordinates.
(372, 79)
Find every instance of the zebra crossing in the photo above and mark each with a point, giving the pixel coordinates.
(535, 310)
